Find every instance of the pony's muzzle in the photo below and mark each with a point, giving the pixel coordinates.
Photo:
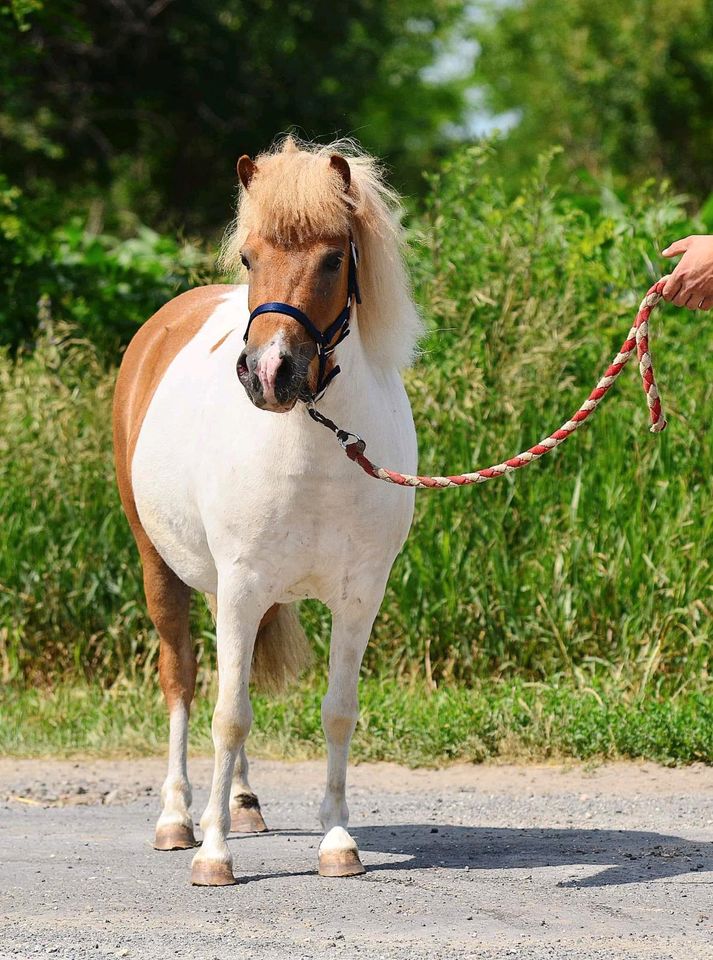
(273, 375)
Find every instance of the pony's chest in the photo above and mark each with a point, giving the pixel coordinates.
(301, 523)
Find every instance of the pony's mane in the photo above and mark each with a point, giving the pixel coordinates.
(296, 197)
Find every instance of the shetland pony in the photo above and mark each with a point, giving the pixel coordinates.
(230, 489)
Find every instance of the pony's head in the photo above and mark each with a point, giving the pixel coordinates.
(300, 207)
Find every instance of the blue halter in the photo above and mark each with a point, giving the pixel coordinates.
(325, 339)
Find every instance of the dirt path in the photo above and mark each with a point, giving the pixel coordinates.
(522, 862)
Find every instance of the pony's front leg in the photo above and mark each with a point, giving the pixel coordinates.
(351, 626)
(236, 628)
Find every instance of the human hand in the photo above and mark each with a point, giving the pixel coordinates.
(691, 283)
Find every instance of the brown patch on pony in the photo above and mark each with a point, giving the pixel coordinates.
(221, 341)
(168, 602)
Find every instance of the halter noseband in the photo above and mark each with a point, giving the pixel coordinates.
(325, 340)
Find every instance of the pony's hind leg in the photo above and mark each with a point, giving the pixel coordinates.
(245, 814)
(351, 626)
(168, 601)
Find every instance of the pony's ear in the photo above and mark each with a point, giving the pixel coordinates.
(246, 170)
(340, 164)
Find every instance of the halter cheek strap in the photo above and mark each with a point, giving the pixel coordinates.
(327, 340)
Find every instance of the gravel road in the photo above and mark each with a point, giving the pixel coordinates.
(488, 862)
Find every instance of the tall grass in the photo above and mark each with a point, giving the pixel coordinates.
(593, 564)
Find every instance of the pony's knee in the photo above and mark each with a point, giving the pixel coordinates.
(339, 718)
(231, 725)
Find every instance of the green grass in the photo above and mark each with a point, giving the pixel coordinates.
(406, 724)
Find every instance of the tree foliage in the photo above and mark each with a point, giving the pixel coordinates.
(144, 107)
(621, 84)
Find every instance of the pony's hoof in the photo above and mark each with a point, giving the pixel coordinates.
(247, 821)
(174, 836)
(245, 815)
(212, 873)
(340, 863)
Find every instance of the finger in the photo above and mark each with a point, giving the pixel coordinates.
(673, 285)
(706, 303)
(695, 299)
(681, 298)
(677, 247)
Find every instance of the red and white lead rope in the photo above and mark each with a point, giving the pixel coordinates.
(637, 339)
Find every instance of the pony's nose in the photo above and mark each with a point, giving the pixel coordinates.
(270, 377)
(272, 365)
(242, 365)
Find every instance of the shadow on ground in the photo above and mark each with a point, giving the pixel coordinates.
(626, 856)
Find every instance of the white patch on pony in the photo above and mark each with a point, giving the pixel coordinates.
(268, 366)
(337, 840)
(176, 790)
(172, 436)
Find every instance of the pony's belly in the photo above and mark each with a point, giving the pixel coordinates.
(168, 516)
(185, 551)
(307, 541)
(296, 548)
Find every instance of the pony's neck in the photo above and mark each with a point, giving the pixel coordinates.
(351, 391)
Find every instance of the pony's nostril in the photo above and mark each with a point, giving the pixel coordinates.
(286, 369)
(242, 366)
(284, 378)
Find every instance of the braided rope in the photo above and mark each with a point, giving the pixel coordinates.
(637, 339)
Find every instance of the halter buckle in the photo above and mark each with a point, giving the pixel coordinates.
(343, 438)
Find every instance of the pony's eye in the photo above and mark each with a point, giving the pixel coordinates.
(332, 262)
(244, 260)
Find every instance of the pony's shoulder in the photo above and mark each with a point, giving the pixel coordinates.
(196, 300)
(179, 320)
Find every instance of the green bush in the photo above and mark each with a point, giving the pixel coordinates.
(594, 562)
(104, 286)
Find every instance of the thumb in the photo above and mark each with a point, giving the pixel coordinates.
(677, 247)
